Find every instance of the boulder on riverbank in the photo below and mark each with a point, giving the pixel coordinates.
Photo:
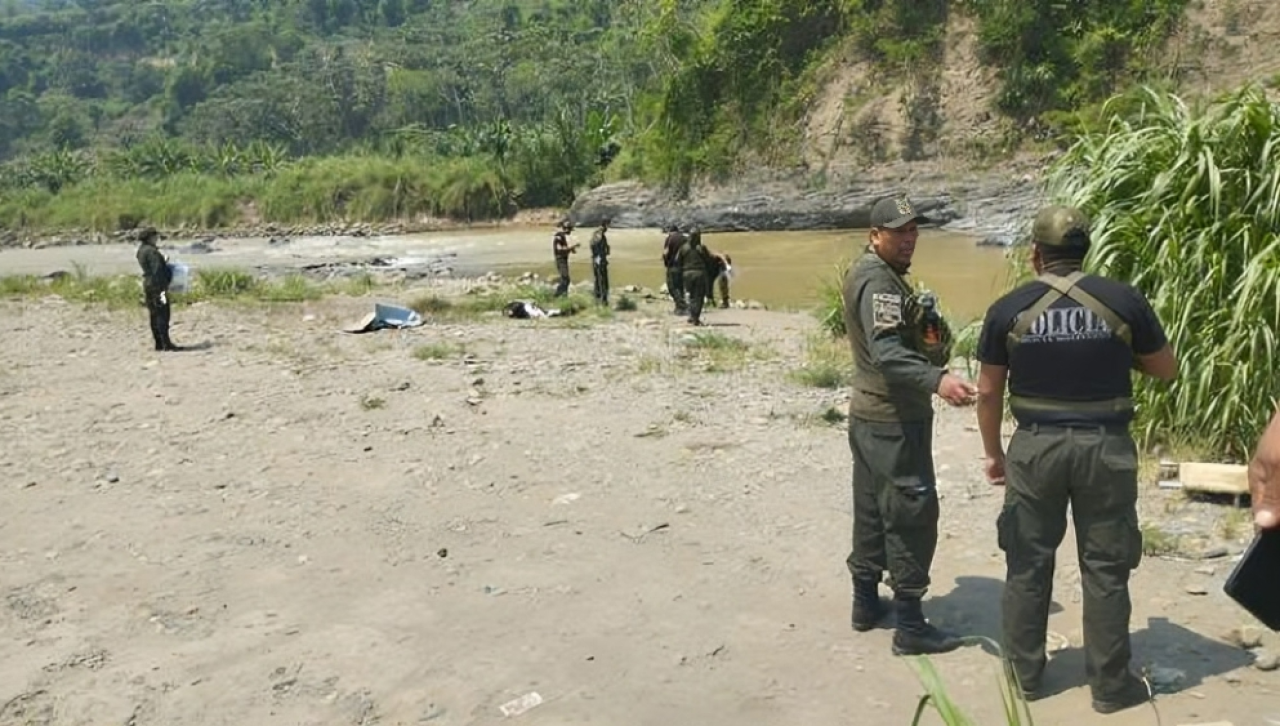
(993, 206)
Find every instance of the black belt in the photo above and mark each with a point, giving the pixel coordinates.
(1102, 428)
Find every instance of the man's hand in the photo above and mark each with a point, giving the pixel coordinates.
(1264, 477)
(994, 468)
(955, 390)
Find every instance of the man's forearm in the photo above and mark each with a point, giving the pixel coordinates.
(902, 366)
(990, 416)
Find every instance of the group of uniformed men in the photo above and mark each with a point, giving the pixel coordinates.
(692, 268)
(1063, 345)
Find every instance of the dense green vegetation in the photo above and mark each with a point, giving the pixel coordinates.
(185, 111)
(1057, 57)
(313, 109)
(739, 88)
(1186, 204)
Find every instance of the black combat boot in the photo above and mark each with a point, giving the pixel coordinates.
(915, 636)
(1133, 693)
(167, 344)
(868, 609)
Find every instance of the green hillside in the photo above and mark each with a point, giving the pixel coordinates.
(192, 111)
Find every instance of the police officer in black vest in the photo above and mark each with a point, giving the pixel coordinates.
(1065, 344)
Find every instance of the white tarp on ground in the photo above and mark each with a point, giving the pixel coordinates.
(386, 316)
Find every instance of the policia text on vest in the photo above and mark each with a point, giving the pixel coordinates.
(1065, 345)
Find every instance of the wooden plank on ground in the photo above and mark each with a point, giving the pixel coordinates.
(1214, 478)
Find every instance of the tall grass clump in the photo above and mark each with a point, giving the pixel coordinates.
(1186, 207)
(224, 283)
(114, 291)
(348, 188)
(828, 363)
(830, 310)
(1015, 710)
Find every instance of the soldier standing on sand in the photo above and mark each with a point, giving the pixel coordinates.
(156, 277)
(600, 262)
(561, 248)
(696, 263)
(1065, 343)
(675, 276)
(900, 353)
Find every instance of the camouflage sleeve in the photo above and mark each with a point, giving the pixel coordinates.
(882, 309)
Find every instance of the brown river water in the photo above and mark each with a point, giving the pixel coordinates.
(789, 269)
(779, 269)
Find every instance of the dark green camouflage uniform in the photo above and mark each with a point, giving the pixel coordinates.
(156, 277)
(600, 264)
(895, 498)
(695, 262)
(561, 249)
(891, 430)
(675, 276)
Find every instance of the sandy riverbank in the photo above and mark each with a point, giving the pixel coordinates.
(297, 525)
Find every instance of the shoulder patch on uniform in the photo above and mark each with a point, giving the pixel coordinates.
(886, 309)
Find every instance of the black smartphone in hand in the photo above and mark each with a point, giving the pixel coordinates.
(1255, 581)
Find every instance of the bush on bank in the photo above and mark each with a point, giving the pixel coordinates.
(354, 188)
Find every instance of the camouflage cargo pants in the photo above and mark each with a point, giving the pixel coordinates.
(675, 287)
(600, 274)
(695, 289)
(562, 270)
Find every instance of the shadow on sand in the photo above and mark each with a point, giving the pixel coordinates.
(1175, 658)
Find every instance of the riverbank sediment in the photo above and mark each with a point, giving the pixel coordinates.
(991, 204)
(638, 521)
